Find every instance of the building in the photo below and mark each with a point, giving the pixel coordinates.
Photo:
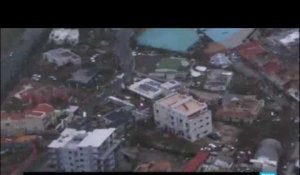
(32, 121)
(37, 94)
(218, 80)
(288, 38)
(170, 87)
(61, 56)
(81, 151)
(160, 166)
(229, 37)
(267, 155)
(147, 88)
(183, 116)
(119, 119)
(85, 77)
(240, 108)
(195, 164)
(220, 60)
(64, 36)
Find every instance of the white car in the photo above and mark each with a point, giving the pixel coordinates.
(53, 78)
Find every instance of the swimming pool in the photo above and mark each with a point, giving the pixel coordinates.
(175, 39)
(220, 34)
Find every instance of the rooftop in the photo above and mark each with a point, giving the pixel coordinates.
(170, 84)
(73, 138)
(198, 160)
(147, 88)
(83, 75)
(161, 166)
(174, 39)
(251, 50)
(182, 103)
(41, 109)
(119, 117)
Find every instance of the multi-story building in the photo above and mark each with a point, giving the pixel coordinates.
(82, 151)
(183, 116)
(30, 121)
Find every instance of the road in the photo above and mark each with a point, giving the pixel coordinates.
(123, 51)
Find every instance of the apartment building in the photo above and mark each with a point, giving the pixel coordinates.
(82, 151)
(183, 116)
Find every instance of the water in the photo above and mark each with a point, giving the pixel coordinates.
(174, 39)
(220, 34)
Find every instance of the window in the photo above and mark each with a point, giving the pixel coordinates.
(70, 152)
(7, 124)
(198, 135)
(69, 158)
(205, 132)
(172, 123)
(157, 111)
(180, 120)
(207, 123)
(81, 160)
(206, 118)
(186, 124)
(201, 126)
(195, 123)
(80, 149)
(71, 164)
(172, 117)
(157, 123)
(201, 120)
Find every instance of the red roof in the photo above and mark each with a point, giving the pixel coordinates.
(232, 113)
(272, 67)
(251, 50)
(41, 109)
(198, 160)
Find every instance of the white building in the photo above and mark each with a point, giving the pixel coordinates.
(147, 88)
(61, 56)
(64, 36)
(81, 151)
(33, 121)
(170, 87)
(184, 116)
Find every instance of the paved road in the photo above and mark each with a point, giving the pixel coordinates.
(123, 51)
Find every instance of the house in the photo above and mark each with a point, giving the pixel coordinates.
(61, 57)
(82, 151)
(229, 37)
(220, 60)
(64, 36)
(240, 108)
(34, 120)
(160, 166)
(147, 88)
(195, 164)
(42, 94)
(85, 77)
(119, 119)
(267, 155)
(183, 116)
(170, 87)
(218, 80)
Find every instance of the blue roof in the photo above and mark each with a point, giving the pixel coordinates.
(174, 39)
(220, 34)
(119, 118)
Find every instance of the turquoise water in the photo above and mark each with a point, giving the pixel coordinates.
(220, 34)
(174, 39)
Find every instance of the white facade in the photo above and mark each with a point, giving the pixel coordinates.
(81, 151)
(170, 87)
(183, 116)
(35, 121)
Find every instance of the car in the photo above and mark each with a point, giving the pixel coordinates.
(213, 136)
(52, 78)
